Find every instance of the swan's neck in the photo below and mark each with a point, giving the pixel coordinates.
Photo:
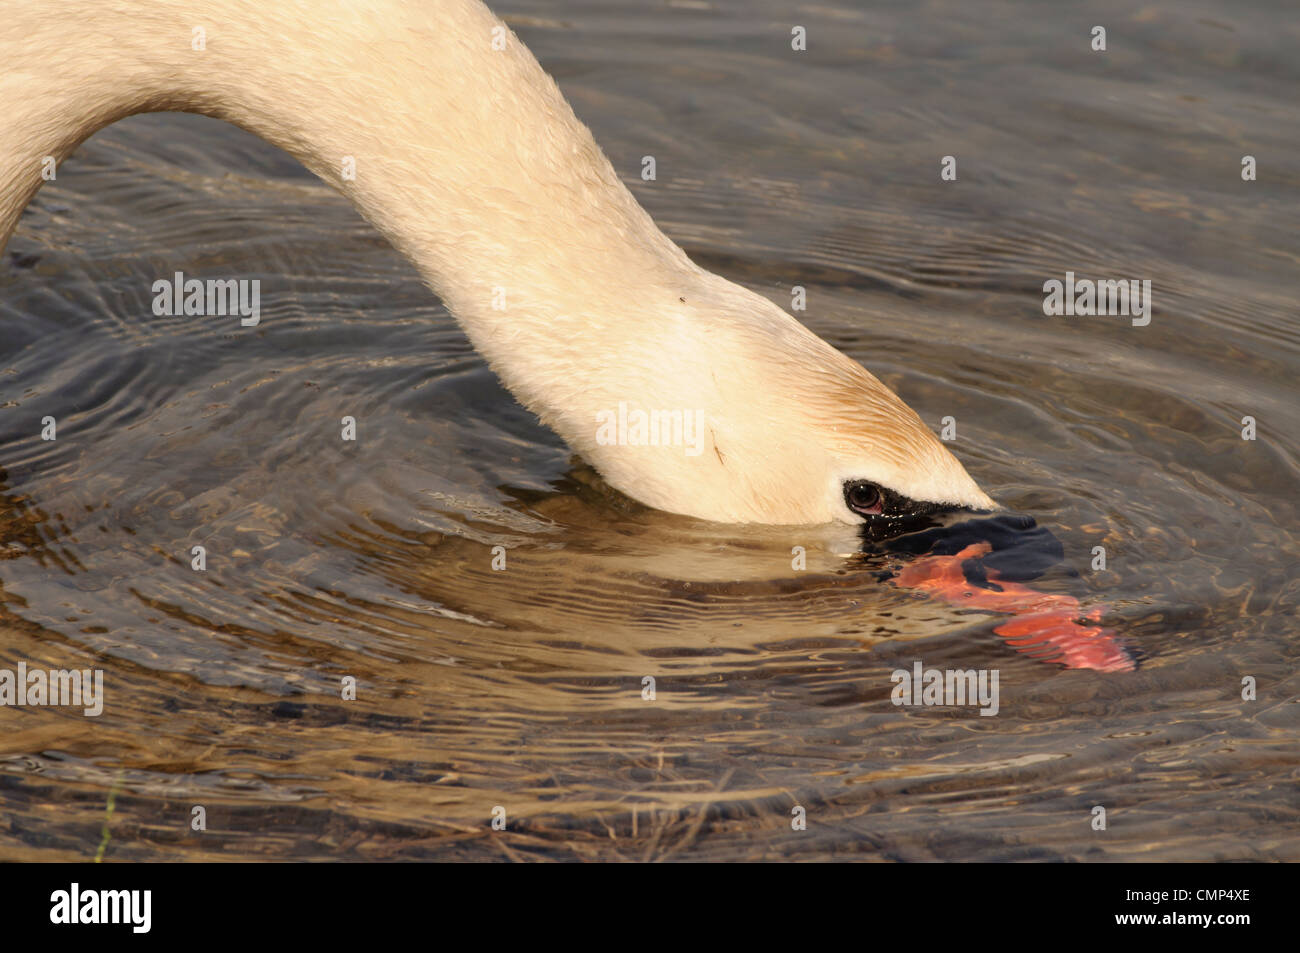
(450, 139)
(432, 117)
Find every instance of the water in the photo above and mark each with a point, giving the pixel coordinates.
(522, 689)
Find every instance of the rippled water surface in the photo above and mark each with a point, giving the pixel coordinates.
(522, 689)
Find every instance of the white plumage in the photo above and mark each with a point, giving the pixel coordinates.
(469, 160)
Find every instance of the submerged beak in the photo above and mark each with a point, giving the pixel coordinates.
(982, 564)
(1018, 548)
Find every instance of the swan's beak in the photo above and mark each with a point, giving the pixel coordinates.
(907, 518)
(1018, 548)
(982, 564)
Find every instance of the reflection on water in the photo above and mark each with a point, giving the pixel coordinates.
(523, 688)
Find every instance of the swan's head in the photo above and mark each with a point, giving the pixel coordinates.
(792, 431)
(849, 450)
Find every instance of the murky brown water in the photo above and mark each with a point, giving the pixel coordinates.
(522, 688)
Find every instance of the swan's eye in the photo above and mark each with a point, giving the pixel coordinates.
(864, 498)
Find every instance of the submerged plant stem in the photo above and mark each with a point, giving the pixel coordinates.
(108, 816)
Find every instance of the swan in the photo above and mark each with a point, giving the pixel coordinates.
(439, 125)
